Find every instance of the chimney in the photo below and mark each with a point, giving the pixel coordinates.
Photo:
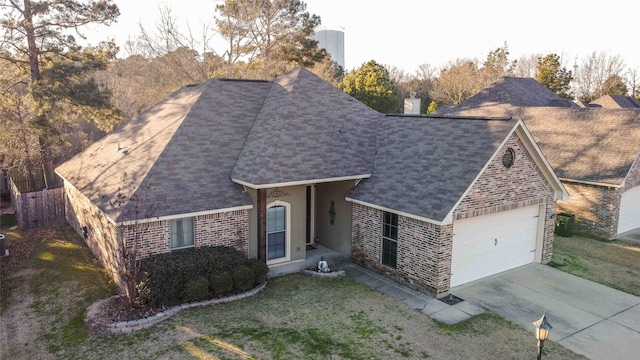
(412, 104)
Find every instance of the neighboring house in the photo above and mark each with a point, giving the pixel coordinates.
(593, 150)
(616, 102)
(269, 167)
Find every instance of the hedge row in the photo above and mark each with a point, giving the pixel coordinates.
(197, 274)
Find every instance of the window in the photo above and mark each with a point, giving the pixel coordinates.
(390, 239)
(276, 232)
(181, 233)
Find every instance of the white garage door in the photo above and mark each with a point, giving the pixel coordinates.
(487, 245)
(629, 218)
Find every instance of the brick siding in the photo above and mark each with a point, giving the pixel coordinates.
(502, 189)
(219, 229)
(101, 235)
(597, 208)
(424, 249)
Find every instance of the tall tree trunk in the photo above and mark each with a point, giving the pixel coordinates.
(34, 64)
(31, 42)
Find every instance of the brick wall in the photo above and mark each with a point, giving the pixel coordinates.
(502, 189)
(424, 249)
(101, 235)
(220, 229)
(424, 252)
(595, 208)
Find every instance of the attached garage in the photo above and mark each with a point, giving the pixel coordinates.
(629, 217)
(487, 245)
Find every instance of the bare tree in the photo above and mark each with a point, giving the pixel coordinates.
(527, 66)
(131, 204)
(632, 80)
(594, 71)
(177, 54)
(457, 82)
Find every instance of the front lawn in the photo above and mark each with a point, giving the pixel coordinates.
(295, 317)
(613, 263)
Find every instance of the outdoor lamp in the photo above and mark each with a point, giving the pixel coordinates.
(542, 332)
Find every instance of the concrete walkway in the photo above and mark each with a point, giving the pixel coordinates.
(588, 318)
(429, 305)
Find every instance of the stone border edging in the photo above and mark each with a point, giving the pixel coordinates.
(333, 274)
(127, 327)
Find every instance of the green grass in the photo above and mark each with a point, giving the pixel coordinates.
(294, 317)
(7, 221)
(66, 273)
(613, 263)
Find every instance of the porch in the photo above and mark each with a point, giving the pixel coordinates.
(313, 255)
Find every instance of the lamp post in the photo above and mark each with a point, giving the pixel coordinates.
(542, 332)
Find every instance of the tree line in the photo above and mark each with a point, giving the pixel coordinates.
(59, 96)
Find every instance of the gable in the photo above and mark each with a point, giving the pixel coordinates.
(587, 145)
(498, 187)
(425, 165)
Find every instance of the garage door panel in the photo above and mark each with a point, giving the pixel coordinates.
(629, 216)
(490, 244)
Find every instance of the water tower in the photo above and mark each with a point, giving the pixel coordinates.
(331, 40)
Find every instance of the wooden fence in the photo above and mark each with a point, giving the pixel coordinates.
(37, 208)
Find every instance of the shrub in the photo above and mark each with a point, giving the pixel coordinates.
(221, 283)
(243, 278)
(196, 289)
(224, 269)
(260, 270)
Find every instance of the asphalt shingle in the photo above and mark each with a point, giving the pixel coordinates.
(177, 155)
(586, 144)
(424, 165)
(307, 130)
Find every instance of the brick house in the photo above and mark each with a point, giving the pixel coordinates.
(593, 148)
(272, 167)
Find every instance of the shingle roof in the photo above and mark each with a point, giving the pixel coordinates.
(307, 130)
(615, 102)
(581, 144)
(515, 91)
(425, 164)
(187, 147)
(184, 147)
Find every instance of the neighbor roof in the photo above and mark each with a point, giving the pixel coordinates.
(591, 145)
(514, 91)
(424, 165)
(179, 156)
(616, 102)
(583, 144)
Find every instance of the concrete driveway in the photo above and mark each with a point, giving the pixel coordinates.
(588, 318)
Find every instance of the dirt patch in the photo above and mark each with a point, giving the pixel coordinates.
(20, 326)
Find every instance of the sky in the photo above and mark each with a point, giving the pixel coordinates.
(409, 33)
